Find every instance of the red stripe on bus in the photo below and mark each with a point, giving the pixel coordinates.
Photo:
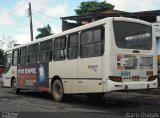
(43, 89)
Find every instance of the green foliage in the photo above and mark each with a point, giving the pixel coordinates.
(45, 31)
(2, 56)
(92, 7)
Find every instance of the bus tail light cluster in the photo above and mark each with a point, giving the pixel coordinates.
(115, 78)
(152, 78)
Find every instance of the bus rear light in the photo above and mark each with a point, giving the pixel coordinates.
(115, 78)
(152, 78)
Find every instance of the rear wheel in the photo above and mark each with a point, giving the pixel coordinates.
(57, 90)
(15, 90)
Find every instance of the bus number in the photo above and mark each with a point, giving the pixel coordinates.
(125, 73)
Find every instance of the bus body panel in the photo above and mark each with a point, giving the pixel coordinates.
(130, 71)
(90, 71)
(67, 71)
(33, 76)
(12, 72)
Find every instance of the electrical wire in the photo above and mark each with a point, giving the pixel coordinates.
(151, 2)
(46, 15)
(14, 10)
(38, 18)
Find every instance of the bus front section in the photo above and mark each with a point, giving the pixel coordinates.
(134, 55)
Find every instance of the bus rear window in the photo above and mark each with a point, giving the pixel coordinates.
(130, 35)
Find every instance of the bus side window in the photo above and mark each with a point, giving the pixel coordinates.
(22, 57)
(49, 50)
(45, 53)
(92, 42)
(33, 53)
(99, 41)
(15, 57)
(73, 46)
(7, 61)
(59, 48)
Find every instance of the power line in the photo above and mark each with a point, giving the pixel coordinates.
(38, 19)
(21, 21)
(13, 10)
(46, 15)
(151, 2)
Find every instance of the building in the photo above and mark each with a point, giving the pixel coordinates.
(149, 16)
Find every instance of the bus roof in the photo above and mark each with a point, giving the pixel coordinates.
(89, 25)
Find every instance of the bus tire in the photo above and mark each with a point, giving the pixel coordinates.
(15, 90)
(57, 90)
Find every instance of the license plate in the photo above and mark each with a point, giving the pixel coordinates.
(135, 78)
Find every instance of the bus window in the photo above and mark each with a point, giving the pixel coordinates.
(33, 53)
(132, 35)
(92, 43)
(45, 53)
(59, 48)
(22, 57)
(73, 44)
(15, 57)
(7, 62)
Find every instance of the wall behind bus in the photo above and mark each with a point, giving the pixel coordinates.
(157, 34)
(158, 45)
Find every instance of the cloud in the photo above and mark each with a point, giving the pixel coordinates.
(58, 10)
(56, 29)
(5, 18)
(47, 7)
(134, 5)
(22, 38)
(21, 7)
(39, 4)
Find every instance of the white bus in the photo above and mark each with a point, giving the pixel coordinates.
(112, 54)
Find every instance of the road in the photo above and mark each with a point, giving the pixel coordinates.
(40, 105)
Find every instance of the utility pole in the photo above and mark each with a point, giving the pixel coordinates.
(31, 26)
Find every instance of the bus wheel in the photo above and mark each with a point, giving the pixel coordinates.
(57, 90)
(15, 90)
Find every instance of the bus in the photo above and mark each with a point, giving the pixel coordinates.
(111, 54)
(1, 69)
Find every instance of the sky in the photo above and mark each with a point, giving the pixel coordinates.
(14, 20)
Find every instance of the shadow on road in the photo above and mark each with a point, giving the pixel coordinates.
(117, 101)
(109, 100)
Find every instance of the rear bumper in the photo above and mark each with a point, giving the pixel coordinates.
(115, 86)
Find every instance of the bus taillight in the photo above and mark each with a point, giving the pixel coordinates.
(115, 78)
(152, 78)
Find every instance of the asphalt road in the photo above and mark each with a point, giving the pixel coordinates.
(114, 105)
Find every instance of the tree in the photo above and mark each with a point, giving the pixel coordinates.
(91, 7)
(11, 43)
(2, 43)
(45, 31)
(7, 42)
(2, 56)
